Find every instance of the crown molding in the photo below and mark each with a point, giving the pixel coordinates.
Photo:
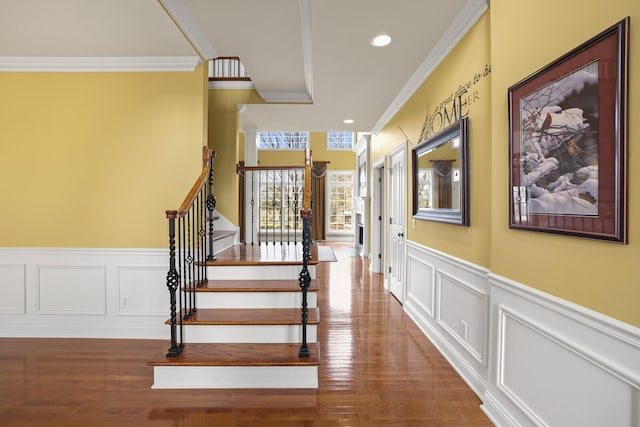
(293, 97)
(305, 33)
(98, 64)
(180, 15)
(467, 17)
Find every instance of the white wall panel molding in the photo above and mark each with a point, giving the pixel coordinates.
(421, 279)
(77, 293)
(13, 287)
(71, 289)
(142, 290)
(465, 304)
(555, 363)
(448, 299)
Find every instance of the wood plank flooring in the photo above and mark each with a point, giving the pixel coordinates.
(377, 369)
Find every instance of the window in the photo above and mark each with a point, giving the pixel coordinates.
(425, 178)
(339, 201)
(340, 140)
(283, 140)
(281, 200)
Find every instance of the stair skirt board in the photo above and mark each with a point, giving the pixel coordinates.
(254, 299)
(248, 333)
(262, 272)
(230, 377)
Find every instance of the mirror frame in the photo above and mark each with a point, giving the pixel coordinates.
(459, 128)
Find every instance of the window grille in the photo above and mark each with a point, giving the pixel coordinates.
(283, 140)
(340, 201)
(340, 140)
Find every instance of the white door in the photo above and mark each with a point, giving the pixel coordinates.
(397, 216)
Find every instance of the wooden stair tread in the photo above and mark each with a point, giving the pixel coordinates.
(250, 316)
(234, 354)
(273, 285)
(263, 254)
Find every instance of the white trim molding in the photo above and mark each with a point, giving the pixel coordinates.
(469, 15)
(293, 97)
(183, 19)
(99, 64)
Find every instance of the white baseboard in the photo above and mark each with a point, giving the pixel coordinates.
(533, 359)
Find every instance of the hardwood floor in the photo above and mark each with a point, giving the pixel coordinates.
(377, 369)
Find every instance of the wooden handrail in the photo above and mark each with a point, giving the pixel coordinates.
(242, 168)
(207, 156)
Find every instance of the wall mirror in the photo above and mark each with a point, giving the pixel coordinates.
(441, 176)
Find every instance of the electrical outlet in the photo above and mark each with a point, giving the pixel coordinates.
(463, 330)
(124, 302)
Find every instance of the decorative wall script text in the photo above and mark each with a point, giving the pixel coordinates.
(455, 107)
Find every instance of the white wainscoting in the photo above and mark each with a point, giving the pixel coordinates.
(555, 363)
(448, 298)
(533, 359)
(83, 293)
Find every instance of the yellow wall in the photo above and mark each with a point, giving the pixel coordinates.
(223, 138)
(599, 275)
(95, 159)
(340, 160)
(466, 65)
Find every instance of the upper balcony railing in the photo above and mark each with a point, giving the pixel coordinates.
(227, 68)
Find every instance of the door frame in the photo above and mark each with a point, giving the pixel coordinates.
(378, 217)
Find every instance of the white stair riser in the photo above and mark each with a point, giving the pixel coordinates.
(262, 272)
(248, 333)
(254, 299)
(223, 243)
(185, 377)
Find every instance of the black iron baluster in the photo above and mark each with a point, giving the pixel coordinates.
(173, 281)
(253, 202)
(273, 204)
(280, 210)
(287, 208)
(211, 206)
(202, 266)
(295, 209)
(305, 279)
(188, 265)
(260, 206)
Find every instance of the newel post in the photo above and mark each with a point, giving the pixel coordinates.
(305, 278)
(173, 281)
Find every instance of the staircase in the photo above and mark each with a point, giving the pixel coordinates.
(246, 331)
(244, 318)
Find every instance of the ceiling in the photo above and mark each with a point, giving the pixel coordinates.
(310, 60)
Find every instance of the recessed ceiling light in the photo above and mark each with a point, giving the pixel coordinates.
(381, 40)
(348, 121)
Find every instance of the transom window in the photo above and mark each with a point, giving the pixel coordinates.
(340, 140)
(283, 140)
